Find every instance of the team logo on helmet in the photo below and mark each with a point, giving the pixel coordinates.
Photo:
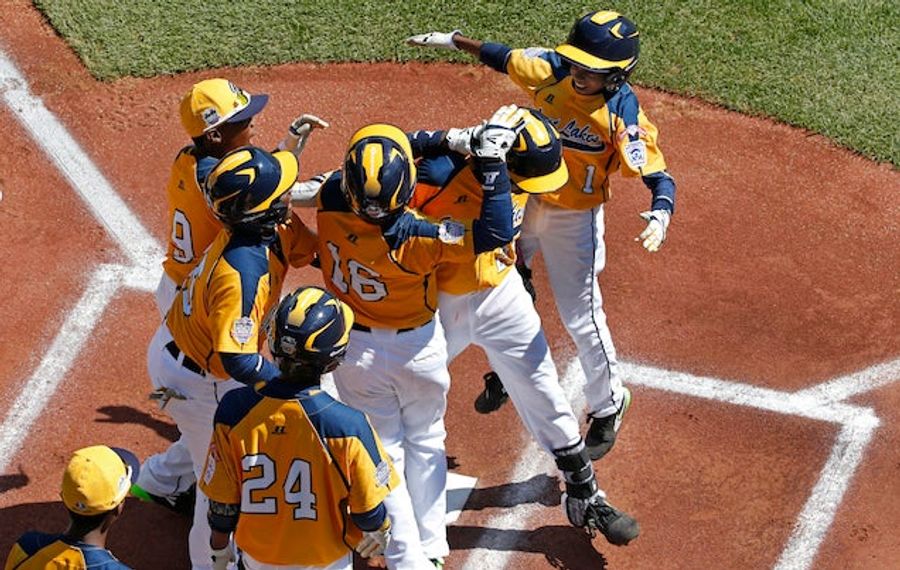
(535, 160)
(379, 173)
(310, 328)
(246, 188)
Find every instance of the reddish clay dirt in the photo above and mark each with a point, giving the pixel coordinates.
(780, 271)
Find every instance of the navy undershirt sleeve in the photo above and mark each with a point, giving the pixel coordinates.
(495, 55)
(249, 368)
(370, 520)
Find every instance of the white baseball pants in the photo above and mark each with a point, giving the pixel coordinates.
(503, 321)
(194, 416)
(171, 472)
(571, 244)
(400, 380)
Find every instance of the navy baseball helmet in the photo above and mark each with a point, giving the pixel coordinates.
(535, 161)
(311, 328)
(246, 188)
(379, 174)
(603, 42)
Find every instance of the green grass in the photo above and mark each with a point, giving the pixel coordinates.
(832, 66)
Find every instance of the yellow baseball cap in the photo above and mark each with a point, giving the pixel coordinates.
(97, 479)
(212, 102)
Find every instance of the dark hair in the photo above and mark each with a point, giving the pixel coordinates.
(298, 374)
(81, 525)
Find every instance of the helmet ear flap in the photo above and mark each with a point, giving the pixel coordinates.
(615, 80)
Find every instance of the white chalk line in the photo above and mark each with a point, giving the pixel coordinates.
(819, 402)
(57, 361)
(122, 225)
(487, 552)
(858, 426)
(71, 160)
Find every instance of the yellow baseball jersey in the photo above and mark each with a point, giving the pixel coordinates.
(224, 301)
(192, 226)
(386, 274)
(39, 551)
(298, 462)
(447, 186)
(600, 135)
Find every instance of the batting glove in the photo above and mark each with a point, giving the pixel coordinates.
(500, 132)
(221, 558)
(654, 234)
(373, 543)
(442, 40)
(460, 140)
(298, 133)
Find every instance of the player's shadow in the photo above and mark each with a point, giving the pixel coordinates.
(10, 482)
(541, 489)
(129, 415)
(563, 547)
(146, 537)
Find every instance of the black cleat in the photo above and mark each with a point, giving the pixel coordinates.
(493, 396)
(601, 435)
(618, 527)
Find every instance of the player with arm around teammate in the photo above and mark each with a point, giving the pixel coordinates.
(210, 341)
(582, 86)
(218, 116)
(379, 257)
(482, 301)
(94, 487)
(297, 476)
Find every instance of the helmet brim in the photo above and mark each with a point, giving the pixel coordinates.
(590, 62)
(543, 184)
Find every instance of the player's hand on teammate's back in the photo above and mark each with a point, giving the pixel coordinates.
(441, 40)
(500, 132)
(298, 133)
(654, 234)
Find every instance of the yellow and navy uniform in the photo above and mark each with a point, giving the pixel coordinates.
(600, 133)
(298, 463)
(37, 551)
(222, 305)
(386, 273)
(192, 225)
(447, 186)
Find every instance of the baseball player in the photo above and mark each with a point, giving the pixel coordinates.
(218, 116)
(582, 86)
(95, 484)
(209, 342)
(287, 460)
(482, 301)
(379, 257)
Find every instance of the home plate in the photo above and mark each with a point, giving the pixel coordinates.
(459, 487)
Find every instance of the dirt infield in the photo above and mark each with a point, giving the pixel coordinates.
(752, 442)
